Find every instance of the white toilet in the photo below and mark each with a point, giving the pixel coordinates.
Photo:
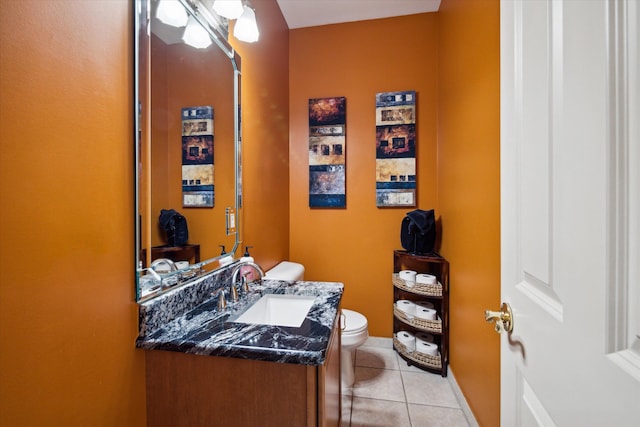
(353, 325)
(354, 334)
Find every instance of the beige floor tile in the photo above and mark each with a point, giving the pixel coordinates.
(346, 410)
(379, 413)
(378, 342)
(389, 393)
(428, 389)
(376, 357)
(374, 383)
(435, 416)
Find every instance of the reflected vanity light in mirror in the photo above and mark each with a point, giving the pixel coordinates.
(246, 28)
(196, 36)
(230, 9)
(171, 12)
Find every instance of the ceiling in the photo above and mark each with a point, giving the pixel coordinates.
(311, 13)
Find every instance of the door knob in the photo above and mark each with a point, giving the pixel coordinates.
(503, 318)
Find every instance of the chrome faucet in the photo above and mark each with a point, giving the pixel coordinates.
(163, 261)
(153, 269)
(233, 290)
(243, 278)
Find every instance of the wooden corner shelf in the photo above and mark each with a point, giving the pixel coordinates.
(437, 294)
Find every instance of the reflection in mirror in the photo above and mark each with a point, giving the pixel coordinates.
(188, 84)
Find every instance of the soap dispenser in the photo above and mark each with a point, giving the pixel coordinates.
(249, 273)
(224, 257)
(247, 256)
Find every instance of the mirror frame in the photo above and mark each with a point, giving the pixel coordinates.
(217, 29)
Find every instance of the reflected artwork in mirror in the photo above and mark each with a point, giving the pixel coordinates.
(187, 143)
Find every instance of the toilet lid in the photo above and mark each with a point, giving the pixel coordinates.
(352, 322)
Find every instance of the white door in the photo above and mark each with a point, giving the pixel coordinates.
(570, 199)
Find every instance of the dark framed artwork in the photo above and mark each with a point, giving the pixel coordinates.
(327, 148)
(396, 149)
(197, 157)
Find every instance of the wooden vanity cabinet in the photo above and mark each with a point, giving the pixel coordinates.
(329, 381)
(193, 390)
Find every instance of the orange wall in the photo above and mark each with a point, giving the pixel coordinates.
(67, 315)
(265, 154)
(357, 60)
(469, 192)
(69, 322)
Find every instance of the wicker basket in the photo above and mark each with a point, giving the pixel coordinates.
(434, 362)
(417, 288)
(422, 324)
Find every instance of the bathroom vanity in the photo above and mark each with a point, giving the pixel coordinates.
(204, 368)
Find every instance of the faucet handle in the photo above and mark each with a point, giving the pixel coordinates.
(222, 302)
(234, 293)
(245, 282)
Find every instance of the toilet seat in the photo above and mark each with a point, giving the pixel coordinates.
(352, 322)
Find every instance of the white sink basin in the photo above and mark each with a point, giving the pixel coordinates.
(277, 309)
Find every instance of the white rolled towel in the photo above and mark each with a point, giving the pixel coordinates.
(407, 339)
(407, 307)
(426, 279)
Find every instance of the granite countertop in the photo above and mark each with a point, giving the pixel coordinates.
(206, 330)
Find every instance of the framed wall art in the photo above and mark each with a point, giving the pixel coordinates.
(327, 143)
(396, 149)
(197, 157)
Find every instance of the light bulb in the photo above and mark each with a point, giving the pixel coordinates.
(230, 9)
(196, 36)
(171, 12)
(246, 28)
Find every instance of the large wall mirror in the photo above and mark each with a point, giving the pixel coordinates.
(188, 142)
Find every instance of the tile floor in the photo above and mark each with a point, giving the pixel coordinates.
(388, 393)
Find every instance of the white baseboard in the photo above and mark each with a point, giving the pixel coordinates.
(463, 402)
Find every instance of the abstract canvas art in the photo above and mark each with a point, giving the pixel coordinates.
(197, 157)
(327, 139)
(396, 149)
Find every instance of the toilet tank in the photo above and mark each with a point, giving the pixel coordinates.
(286, 270)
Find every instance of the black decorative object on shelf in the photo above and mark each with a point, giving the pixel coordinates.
(418, 232)
(175, 225)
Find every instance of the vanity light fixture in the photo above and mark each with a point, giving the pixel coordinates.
(171, 12)
(246, 28)
(230, 9)
(196, 36)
